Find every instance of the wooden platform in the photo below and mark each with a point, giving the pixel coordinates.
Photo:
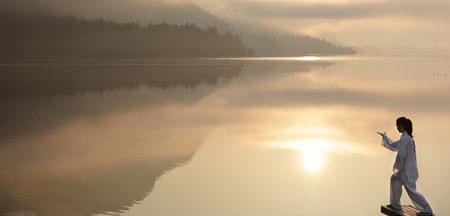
(407, 210)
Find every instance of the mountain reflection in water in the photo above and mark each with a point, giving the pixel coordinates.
(81, 138)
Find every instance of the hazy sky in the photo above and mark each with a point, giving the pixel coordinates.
(375, 25)
(392, 26)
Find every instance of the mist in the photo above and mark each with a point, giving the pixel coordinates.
(402, 26)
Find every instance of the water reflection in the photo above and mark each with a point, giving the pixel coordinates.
(313, 161)
(27, 91)
(325, 120)
(82, 138)
(293, 58)
(313, 151)
(227, 137)
(309, 58)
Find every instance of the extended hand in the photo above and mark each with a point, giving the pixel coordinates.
(382, 133)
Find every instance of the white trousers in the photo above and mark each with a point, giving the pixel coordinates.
(399, 180)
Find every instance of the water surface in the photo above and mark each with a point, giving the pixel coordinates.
(273, 136)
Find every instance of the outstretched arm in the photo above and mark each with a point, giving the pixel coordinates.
(388, 143)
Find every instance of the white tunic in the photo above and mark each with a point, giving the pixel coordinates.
(406, 156)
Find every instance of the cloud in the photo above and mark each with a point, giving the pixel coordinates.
(379, 26)
(349, 10)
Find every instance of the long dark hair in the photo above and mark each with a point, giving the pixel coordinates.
(407, 125)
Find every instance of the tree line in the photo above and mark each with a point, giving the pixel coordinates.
(48, 36)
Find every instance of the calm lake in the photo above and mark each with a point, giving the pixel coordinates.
(218, 137)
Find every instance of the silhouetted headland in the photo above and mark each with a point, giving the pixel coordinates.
(262, 39)
(48, 36)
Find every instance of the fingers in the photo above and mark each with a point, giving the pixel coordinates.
(382, 133)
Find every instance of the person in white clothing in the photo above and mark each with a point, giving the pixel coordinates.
(405, 172)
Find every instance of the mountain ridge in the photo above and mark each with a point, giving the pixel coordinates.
(264, 42)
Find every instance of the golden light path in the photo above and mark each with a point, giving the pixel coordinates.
(308, 58)
(300, 58)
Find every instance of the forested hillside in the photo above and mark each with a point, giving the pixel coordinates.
(262, 39)
(42, 36)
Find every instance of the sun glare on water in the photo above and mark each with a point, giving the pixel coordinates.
(308, 58)
(313, 151)
(312, 161)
